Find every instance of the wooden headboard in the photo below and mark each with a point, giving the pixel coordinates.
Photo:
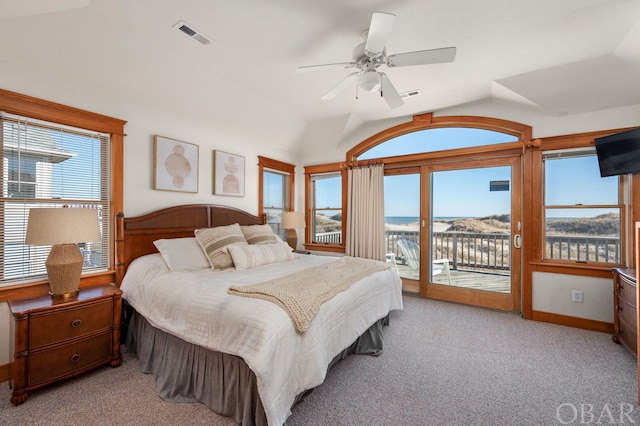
(135, 235)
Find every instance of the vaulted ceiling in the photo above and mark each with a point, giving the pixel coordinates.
(549, 56)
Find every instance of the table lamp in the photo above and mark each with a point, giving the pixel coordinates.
(63, 228)
(291, 221)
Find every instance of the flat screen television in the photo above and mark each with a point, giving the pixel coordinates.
(619, 153)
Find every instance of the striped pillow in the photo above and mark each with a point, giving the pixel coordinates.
(247, 257)
(259, 234)
(215, 241)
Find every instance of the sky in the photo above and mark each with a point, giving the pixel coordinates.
(76, 177)
(466, 193)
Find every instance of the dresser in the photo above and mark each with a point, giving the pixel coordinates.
(624, 305)
(58, 339)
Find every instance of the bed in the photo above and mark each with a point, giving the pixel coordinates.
(241, 355)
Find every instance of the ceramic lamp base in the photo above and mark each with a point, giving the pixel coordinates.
(292, 238)
(64, 266)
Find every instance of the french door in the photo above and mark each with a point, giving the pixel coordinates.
(470, 231)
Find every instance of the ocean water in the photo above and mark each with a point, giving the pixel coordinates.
(405, 220)
(401, 220)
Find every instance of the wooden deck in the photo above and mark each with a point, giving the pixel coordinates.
(495, 282)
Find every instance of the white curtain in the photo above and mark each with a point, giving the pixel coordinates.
(365, 212)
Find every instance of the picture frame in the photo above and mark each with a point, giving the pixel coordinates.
(228, 174)
(175, 165)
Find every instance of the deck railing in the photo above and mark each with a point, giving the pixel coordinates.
(490, 251)
(328, 237)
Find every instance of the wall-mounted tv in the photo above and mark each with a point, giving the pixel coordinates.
(619, 153)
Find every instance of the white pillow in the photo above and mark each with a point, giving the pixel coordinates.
(182, 254)
(251, 256)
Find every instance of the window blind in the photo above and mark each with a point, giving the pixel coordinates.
(49, 165)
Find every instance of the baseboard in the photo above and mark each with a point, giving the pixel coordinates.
(6, 372)
(587, 324)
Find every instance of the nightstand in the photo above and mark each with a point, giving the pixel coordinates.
(59, 339)
(624, 308)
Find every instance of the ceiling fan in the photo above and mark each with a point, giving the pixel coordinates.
(371, 54)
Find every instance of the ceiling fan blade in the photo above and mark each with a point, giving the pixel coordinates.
(340, 86)
(379, 30)
(422, 57)
(339, 65)
(389, 93)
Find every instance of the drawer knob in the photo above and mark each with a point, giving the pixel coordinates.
(75, 357)
(76, 323)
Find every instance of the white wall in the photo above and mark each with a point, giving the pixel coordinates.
(552, 293)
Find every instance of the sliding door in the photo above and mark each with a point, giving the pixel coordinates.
(471, 226)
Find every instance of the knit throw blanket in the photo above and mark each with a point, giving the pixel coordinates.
(301, 294)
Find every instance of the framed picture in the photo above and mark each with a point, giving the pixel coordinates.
(175, 165)
(228, 174)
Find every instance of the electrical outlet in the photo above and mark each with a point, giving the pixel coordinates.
(576, 296)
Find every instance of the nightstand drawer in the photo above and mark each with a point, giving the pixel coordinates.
(627, 315)
(68, 359)
(56, 326)
(627, 336)
(627, 291)
(624, 308)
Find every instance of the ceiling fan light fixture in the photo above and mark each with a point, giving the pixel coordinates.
(369, 81)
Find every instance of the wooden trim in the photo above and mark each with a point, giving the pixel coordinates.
(633, 218)
(428, 121)
(322, 168)
(572, 268)
(319, 169)
(586, 324)
(335, 248)
(16, 103)
(361, 163)
(38, 288)
(533, 232)
(281, 166)
(467, 296)
(27, 106)
(276, 164)
(135, 235)
(6, 372)
(636, 234)
(510, 301)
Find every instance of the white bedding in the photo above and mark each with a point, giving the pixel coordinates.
(195, 306)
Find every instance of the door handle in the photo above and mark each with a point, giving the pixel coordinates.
(517, 241)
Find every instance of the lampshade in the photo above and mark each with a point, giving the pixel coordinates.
(369, 81)
(292, 220)
(50, 226)
(63, 228)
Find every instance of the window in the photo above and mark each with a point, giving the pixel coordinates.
(582, 211)
(431, 140)
(325, 221)
(276, 191)
(46, 165)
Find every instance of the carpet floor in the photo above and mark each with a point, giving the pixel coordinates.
(443, 364)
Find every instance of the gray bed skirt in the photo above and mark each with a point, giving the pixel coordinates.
(185, 372)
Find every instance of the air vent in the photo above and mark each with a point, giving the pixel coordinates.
(192, 32)
(410, 94)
